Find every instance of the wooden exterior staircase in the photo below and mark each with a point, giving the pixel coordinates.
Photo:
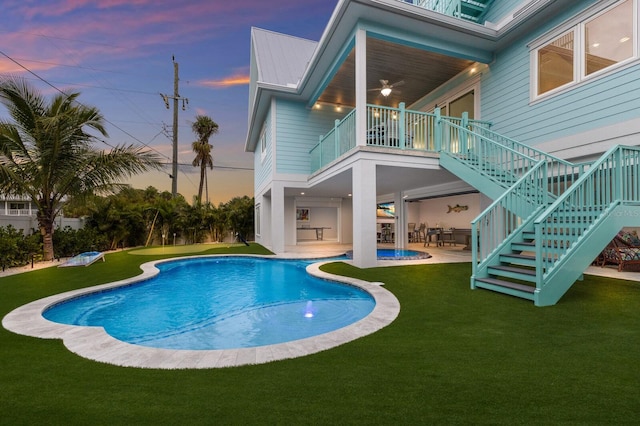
(550, 218)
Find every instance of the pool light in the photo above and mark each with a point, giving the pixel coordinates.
(309, 311)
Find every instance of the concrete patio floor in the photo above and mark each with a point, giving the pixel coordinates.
(441, 254)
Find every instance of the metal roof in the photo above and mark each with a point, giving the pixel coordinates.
(281, 59)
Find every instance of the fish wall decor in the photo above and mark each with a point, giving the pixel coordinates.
(457, 208)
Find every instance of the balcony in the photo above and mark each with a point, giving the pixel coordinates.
(391, 128)
(470, 10)
(19, 212)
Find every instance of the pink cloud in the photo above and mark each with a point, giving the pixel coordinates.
(230, 81)
(76, 33)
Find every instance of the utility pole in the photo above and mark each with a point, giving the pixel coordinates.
(176, 97)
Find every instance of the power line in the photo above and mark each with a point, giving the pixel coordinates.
(216, 167)
(146, 145)
(80, 103)
(121, 95)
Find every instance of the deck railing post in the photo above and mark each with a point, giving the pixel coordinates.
(336, 138)
(618, 159)
(437, 130)
(320, 161)
(401, 126)
(464, 135)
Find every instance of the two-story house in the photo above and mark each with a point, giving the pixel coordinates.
(528, 110)
(20, 213)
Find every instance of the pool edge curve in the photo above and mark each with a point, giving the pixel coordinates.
(95, 344)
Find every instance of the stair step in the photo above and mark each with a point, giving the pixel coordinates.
(523, 246)
(513, 272)
(518, 259)
(508, 284)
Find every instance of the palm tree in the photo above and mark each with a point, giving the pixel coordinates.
(46, 154)
(203, 127)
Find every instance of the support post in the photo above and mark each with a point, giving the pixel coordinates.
(401, 221)
(361, 87)
(277, 218)
(364, 214)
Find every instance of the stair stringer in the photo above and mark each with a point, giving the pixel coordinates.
(570, 267)
(489, 187)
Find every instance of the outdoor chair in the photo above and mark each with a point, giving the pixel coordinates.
(429, 233)
(411, 229)
(421, 232)
(623, 250)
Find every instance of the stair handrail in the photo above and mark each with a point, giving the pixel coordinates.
(492, 156)
(560, 169)
(591, 196)
(497, 225)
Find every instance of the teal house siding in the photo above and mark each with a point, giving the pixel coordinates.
(263, 165)
(500, 9)
(598, 102)
(298, 130)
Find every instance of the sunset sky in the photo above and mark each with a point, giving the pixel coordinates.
(118, 55)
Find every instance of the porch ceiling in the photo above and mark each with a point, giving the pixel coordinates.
(422, 71)
(390, 179)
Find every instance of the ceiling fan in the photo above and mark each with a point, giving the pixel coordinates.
(386, 88)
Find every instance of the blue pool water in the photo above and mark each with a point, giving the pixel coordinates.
(397, 254)
(219, 303)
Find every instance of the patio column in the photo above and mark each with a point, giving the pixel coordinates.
(361, 87)
(277, 218)
(401, 221)
(364, 214)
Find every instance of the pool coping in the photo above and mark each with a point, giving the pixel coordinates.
(95, 344)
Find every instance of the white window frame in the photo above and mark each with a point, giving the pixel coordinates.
(577, 26)
(263, 142)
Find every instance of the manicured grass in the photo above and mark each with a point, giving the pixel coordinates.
(453, 356)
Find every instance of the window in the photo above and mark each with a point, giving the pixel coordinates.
(464, 103)
(555, 63)
(609, 38)
(263, 141)
(18, 206)
(591, 44)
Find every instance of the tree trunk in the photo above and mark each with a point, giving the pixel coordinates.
(46, 229)
(203, 170)
(206, 186)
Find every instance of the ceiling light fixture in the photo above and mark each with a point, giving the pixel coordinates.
(385, 91)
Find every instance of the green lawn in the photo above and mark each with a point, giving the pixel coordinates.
(453, 356)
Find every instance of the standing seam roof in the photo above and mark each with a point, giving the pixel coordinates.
(281, 59)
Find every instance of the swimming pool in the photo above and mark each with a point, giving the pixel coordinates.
(397, 254)
(95, 344)
(219, 303)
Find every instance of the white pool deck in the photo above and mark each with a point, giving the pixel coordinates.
(95, 344)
